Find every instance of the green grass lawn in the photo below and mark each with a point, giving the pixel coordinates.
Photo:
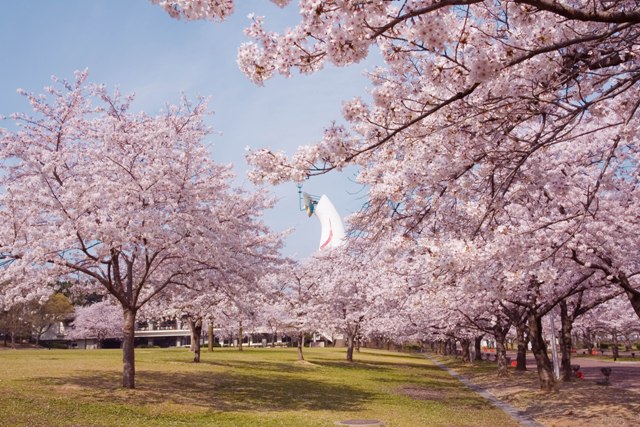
(256, 387)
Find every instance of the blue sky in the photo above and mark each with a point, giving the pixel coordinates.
(136, 45)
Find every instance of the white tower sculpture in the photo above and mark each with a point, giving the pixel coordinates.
(332, 230)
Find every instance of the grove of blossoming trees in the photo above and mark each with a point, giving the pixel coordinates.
(128, 202)
(498, 151)
(500, 141)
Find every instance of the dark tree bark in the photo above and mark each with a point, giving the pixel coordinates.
(566, 342)
(128, 356)
(522, 340)
(240, 338)
(500, 334)
(539, 350)
(210, 336)
(352, 333)
(477, 342)
(466, 354)
(350, 348)
(300, 345)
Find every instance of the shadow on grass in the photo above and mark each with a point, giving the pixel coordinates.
(216, 391)
(256, 365)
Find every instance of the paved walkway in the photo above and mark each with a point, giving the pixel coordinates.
(510, 410)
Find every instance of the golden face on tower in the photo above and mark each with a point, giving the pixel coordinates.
(309, 204)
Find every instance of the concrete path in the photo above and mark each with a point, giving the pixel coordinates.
(510, 410)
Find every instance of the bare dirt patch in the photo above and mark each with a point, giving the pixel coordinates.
(421, 393)
(578, 403)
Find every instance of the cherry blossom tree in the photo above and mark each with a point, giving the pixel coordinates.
(295, 293)
(128, 201)
(98, 321)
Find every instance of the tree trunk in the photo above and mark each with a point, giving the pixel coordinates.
(477, 343)
(128, 356)
(589, 341)
(539, 350)
(522, 339)
(240, 337)
(350, 347)
(501, 355)
(210, 337)
(196, 333)
(632, 294)
(614, 344)
(465, 343)
(300, 345)
(566, 342)
(451, 347)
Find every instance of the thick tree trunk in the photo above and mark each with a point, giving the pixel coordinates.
(196, 333)
(240, 338)
(451, 347)
(501, 355)
(539, 350)
(128, 355)
(566, 342)
(477, 343)
(350, 348)
(300, 345)
(521, 358)
(210, 337)
(465, 343)
(443, 348)
(632, 294)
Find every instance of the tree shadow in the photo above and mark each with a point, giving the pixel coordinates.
(217, 391)
(355, 365)
(283, 366)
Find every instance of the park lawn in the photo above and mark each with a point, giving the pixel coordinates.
(255, 387)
